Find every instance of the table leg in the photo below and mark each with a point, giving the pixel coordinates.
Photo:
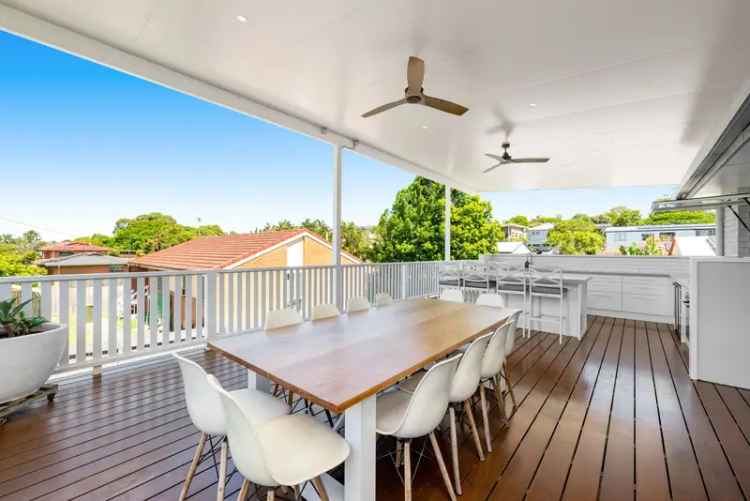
(359, 483)
(256, 382)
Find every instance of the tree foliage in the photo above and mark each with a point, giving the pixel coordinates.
(681, 217)
(650, 247)
(354, 238)
(413, 228)
(519, 219)
(623, 216)
(154, 231)
(576, 236)
(17, 259)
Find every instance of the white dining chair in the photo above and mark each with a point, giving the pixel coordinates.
(285, 317)
(510, 341)
(357, 303)
(276, 319)
(323, 311)
(464, 386)
(492, 365)
(383, 299)
(287, 450)
(452, 295)
(406, 415)
(490, 299)
(207, 414)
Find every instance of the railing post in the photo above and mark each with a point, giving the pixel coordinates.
(404, 271)
(210, 278)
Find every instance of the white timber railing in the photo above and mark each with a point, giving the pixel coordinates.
(116, 316)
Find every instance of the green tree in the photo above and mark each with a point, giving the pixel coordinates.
(519, 219)
(682, 217)
(354, 238)
(576, 236)
(155, 231)
(622, 216)
(650, 248)
(545, 219)
(16, 261)
(413, 228)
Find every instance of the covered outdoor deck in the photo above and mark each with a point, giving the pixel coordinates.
(613, 416)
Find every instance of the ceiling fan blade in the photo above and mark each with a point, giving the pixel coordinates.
(383, 108)
(443, 105)
(490, 169)
(530, 160)
(415, 74)
(495, 157)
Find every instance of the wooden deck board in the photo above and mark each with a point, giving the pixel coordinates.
(615, 409)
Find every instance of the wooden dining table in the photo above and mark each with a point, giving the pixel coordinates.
(341, 364)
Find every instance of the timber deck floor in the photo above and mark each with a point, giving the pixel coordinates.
(611, 417)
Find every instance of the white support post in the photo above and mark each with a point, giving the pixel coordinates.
(338, 285)
(447, 251)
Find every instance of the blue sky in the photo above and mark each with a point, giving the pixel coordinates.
(82, 145)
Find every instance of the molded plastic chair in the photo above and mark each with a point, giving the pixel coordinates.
(383, 299)
(490, 299)
(207, 414)
(321, 311)
(276, 319)
(463, 386)
(357, 303)
(283, 451)
(492, 366)
(452, 295)
(406, 415)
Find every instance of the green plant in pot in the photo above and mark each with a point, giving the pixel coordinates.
(14, 321)
(30, 350)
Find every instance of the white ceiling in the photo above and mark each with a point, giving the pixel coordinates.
(626, 91)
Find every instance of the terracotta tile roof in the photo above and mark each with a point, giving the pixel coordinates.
(74, 247)
(206, 253)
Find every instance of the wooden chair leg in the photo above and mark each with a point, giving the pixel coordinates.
(318, 483)
(509, 384)
(244, 490)
(474, 431)
(441, 464)
(222, 471)
(193, 466)
(485, 417)
(454, 450)
(500, 399)
(407, 470)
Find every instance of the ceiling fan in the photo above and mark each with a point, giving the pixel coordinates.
(414, 93)
(505, 158)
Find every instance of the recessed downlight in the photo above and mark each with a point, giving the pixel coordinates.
(241, 19)
(533, 105)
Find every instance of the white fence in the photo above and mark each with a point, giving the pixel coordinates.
(116, 316)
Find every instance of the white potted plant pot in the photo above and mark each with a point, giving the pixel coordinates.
(26, 362)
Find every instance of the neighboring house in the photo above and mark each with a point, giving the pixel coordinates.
(70, 248)
(78, 263)
(514, 232)
(270, 249)
(693, 246)
(618, 236)
(512, 248)
(537, 235)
